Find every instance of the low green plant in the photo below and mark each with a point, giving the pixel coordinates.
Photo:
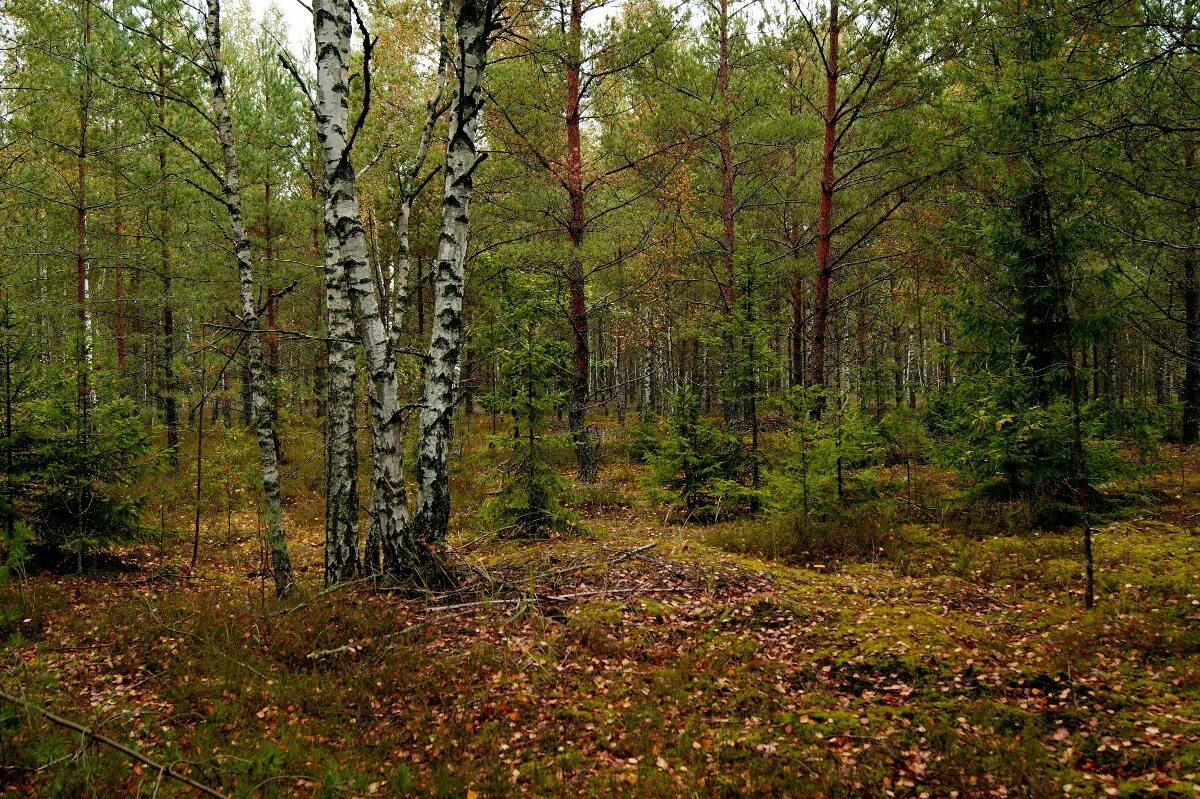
(73, 469)
(529, 388)
(1007, 449)
(827, 461)
(698, 462)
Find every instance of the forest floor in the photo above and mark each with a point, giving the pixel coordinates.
(637, 657)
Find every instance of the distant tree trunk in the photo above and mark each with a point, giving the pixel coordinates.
(1190, 394)
(816, 364)
(264, 421)
(119, 280)
(247, 402)
(472, 29)
(170, 383)
(82, 256)
(798, 344)
(725, 153)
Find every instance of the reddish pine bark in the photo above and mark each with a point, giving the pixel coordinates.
(816, 374)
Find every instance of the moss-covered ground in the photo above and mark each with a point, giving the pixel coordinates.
(955, 664)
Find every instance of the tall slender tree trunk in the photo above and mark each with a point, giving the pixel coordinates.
(473, 28)
(169, 383)
(264, 417)
(585, 453)
(82, 256)
(725, 154)
(119, 280)
(410, 186)
(797, 344)
(820, 322)
(404, 556)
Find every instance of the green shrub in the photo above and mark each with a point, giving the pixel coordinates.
(856, 534)
(698, 462)
(71, 469)
(530, 388)
(827, 461)
(1008, 450)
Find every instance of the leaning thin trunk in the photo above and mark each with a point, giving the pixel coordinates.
(411, 184)
(472, 33)
(264, 421)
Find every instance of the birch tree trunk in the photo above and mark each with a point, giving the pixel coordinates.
(472, 36)
(341, 449)
(405, 557)
(264, 421)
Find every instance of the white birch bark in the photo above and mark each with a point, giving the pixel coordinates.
(264, 422)
(341, 450)
(472, 30)
(403, 556)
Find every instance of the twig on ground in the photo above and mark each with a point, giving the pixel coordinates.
(559, 597)
(355, 648)
(629, 553)
(90, 733)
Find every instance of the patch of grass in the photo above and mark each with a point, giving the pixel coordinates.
(852, 535)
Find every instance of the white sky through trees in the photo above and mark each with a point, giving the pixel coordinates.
(296, 17)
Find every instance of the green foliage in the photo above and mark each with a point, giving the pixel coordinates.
(1009, 450)
(868, 533)
(903, 436)
(645, 438)
(66, 458)
(532, 366)
(72, 467)
(826, 460)
(1140, 426)
(698, 462)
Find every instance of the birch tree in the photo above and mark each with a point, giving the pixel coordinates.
(263, 414)
(473, 28)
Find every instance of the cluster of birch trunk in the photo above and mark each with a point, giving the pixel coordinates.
(401, 543)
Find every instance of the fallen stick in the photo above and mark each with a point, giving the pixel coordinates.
(558, 597)
(88, 732)
(354, 649)
(610, 562)
(326, 592)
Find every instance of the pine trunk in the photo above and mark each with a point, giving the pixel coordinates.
(820, 323)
